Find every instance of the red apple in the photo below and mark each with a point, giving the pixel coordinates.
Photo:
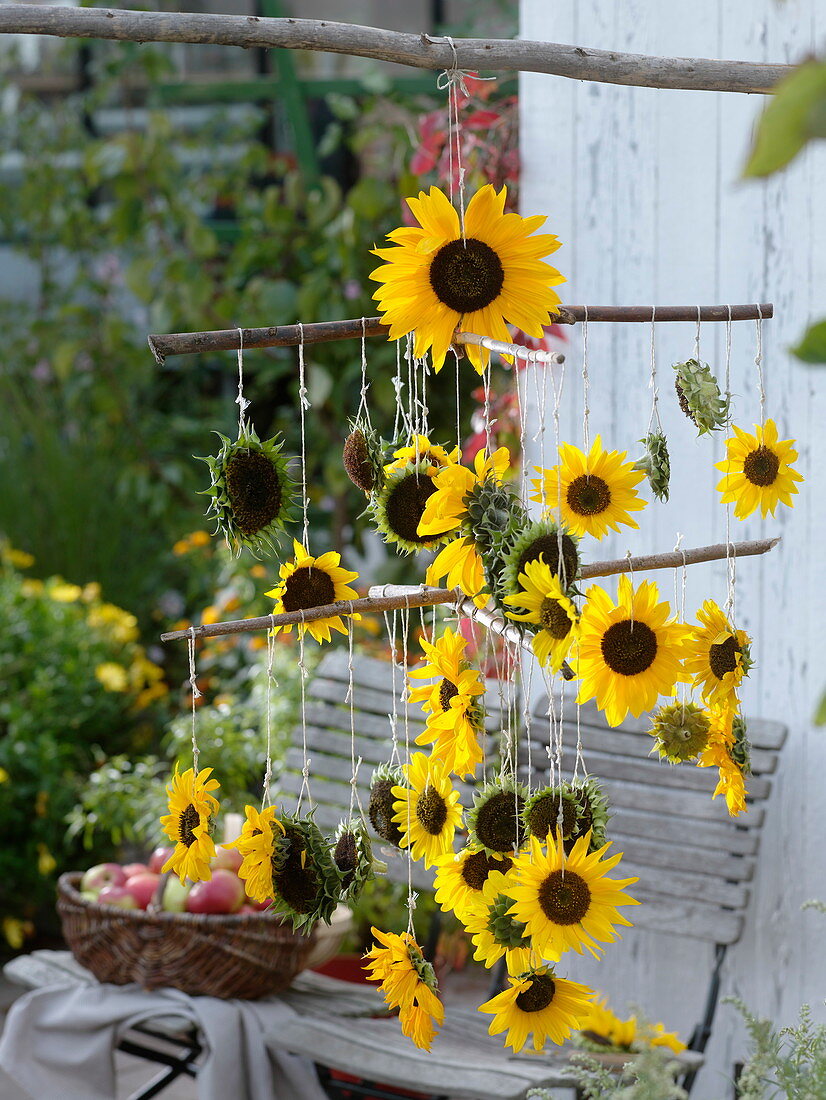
(224, 893)
(228, 858)
(102, 874)
(142, 887)
(132, 869)
(258, 906)
(118, 896)
(159, 858)
(175, 895)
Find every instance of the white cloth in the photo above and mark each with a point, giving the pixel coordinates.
(60, 1042)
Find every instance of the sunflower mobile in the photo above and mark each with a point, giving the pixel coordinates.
(534, 881)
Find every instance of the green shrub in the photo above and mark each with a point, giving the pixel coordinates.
(73, 675)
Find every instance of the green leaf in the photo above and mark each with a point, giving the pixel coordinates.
(793, 117)
(812, 348)
(820, 713)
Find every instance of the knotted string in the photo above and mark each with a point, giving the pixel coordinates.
(240, 400)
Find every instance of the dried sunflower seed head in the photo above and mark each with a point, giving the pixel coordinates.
(656, 464)
(699, 396)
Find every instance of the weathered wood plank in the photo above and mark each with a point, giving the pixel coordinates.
(654, 773)
(763, 733)
(658, 914)
(722, 835)
(618, 742)
(709, 889)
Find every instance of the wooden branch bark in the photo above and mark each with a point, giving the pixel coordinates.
(165, 345)
(416, 50)
(397, 597)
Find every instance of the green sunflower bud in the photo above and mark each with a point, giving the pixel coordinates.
(700, 397)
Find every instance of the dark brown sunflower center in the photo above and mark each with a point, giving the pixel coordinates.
(722, 658)
(254, 491)
(547, 548)
(189, 820)
(345, 855)
(543, 817)
(356, 461)
(538, 995)
(404, 507)
(588, 495)
(466, 275)
(447, 691)
(761, 466)
(308, 587)
(380, 812)
(498, 821)
(431, 810)
(629, 647)
(297, 886)
(554, 618)
(478, 866)
(564, 898)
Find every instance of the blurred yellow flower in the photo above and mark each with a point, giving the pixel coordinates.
(41, 803)
(199, 538)
(258, 570)
(210, 615)
(91, 592)
(65, 593)
(113, 676)
(16, 931)
(4, 775)
(31, 587)
(18, 558)
(120, 625)
(232, 604)
(180, 547)
(46, 862)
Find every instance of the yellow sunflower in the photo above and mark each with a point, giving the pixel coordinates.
(758, 470)
(455, 721)
(421, 451)
(192, 810)
(256, 844)
(448, 509)
(540, 1003)
(408, 983)
(434, 279)
(566, 901)
(460, 879)
(629, 653)
(593, 492)
(718, 657)
(493, 931)
(313, 582)
(726, 752)
(602, 1028)
(547, 605)
(427, 812)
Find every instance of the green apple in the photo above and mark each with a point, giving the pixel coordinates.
(175, 895)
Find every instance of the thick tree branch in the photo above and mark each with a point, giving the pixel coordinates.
(164, 345)
(417, 50)
(395, 597)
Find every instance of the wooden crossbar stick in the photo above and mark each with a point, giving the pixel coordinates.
(396, 597)
(420, 51)
(165, 345)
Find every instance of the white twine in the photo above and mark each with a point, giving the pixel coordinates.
(458, 401)
(629, 559)
(731, 558)
(240, 400)
(349, 698)
(195, 693)
(393, 718)
(679, 602)
(304, 404)
(486, 385)
(305, 770)
(398, 386)
(365, 385)
(655, 393)
(266, 797)
(453, 79)
(697, 335)
(586, 387)
(411, 896)
(758, 362)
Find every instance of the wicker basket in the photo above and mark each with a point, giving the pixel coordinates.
(245, 955)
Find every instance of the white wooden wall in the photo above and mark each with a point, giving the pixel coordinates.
(642, 187)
